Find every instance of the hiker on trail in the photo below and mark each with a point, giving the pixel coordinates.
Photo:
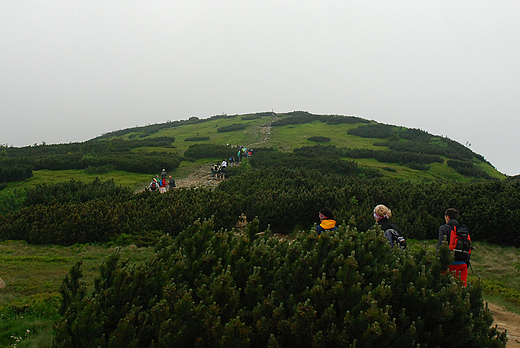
(459, 241)
(163, 174)
(154, 185)
(171, 184)
(382, 215)
(231, 161)
(327, 222)
(238, 156)
(223, 167)
(163, 184)
(213, 170)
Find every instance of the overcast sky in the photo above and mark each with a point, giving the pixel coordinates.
(73, 70)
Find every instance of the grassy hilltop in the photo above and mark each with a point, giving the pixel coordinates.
(433, 157)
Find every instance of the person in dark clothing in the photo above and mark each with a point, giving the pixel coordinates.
(327, 222)
(171, 183)
(382, 215)
(457, 267)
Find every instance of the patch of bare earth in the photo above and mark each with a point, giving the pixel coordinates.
(201, 177)
(505, 320)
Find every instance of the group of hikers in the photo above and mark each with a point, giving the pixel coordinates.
(452, 232)
(218, 170)
(162, 184)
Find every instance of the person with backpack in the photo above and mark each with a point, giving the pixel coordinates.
(171, 184)
(163, 184)
(382, 215)
(327, 222)
(153, 185)
(459, 241)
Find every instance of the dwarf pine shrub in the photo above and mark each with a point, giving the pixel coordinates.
(208, 288)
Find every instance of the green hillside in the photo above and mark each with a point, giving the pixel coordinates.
(396, 152)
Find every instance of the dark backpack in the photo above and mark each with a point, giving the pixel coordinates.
(460, 243)
(395, 238)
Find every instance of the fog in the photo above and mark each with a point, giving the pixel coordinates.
(70, 71)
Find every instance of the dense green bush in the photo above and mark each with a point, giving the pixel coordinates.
(281, 197)
(440, 146)
(19, 163)
(231, 127)
(319, 139)
(324, 159)
(317, 151)
(196, 139)
(214, 288)
(302, 117)
(257, 115)
(198, 151)
(76, 192)
(468, 169)
(378, 130)
(10, 172)
(401, 157)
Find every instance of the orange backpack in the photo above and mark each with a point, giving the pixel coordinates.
(460, 243)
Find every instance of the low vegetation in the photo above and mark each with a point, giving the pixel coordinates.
(283, 185)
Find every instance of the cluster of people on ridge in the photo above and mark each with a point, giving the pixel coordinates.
(162, 183)
(452, 232)
(218, 170)
(242, 152)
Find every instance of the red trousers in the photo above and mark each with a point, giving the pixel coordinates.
(460, 269)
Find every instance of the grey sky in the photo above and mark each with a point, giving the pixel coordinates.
(72, 70)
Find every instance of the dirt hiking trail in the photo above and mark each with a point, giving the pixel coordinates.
(509, 321)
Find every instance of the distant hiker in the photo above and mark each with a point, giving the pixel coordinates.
(163, 184)
(153, 185)
(327, 222)
(459, 241)
(223, 167)
(238, 156)
(214, 170)
(171, 184)
(163, 174)
(231, 161)
(382, 215)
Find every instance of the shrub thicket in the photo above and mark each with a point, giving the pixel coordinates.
(231, 127)
(17, 164)
(467, 168)
(198, 151)
(289, 198)
(378, 130)
(319, 139)
(213, 288)
(302, 117)
(401, 157)
(10, 172)
(196, 139)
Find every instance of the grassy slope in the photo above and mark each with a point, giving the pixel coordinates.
(33, 274)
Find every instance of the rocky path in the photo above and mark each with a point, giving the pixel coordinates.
(509, 321)
(201, 177)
